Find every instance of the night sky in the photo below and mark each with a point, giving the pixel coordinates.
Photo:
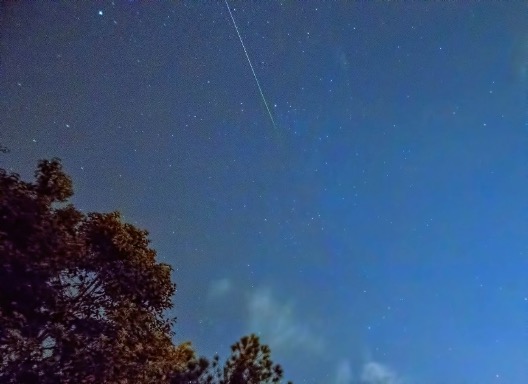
(377, 233)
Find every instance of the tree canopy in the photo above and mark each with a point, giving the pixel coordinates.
(83, 299)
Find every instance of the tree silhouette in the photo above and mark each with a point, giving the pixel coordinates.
(83, 299)
(249, 363)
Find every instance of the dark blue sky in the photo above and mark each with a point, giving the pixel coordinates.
(378, 232)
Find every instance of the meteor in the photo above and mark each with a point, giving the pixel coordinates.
(251, 66)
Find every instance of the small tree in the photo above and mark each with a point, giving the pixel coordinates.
(250, 363)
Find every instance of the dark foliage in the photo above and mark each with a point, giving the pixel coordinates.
(82, 298)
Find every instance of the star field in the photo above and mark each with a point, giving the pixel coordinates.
(378, 235)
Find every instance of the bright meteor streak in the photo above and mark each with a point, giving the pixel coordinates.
(251, 66)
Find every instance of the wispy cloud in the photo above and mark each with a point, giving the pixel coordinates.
(369, 373)
(219, 288)
(271, 318)
(344, 373)
(376, 373)
(275, 320)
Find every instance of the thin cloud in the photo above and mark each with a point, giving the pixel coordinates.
(344, 373)
(268, 317)
(376, 373)
(275, 321)
(219, 288)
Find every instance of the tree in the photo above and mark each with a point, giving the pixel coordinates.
(249, 363)
(83, 299)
